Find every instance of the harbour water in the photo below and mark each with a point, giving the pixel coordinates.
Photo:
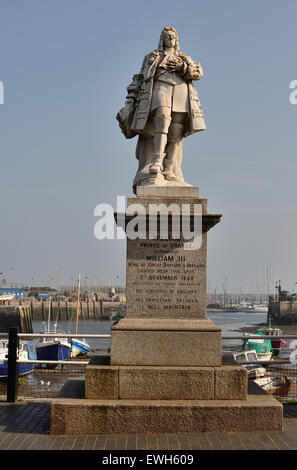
(228, 321)
(46, 383)
(96, 327)
(231, 322)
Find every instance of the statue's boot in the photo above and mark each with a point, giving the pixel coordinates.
(170, 176)
(157, 164)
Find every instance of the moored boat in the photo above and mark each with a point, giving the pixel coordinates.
(274, 385)
(79, 347)
(279, 386)
(26, 350)
(52, 349)
(262, 346)
(277, 343)
(254, 370)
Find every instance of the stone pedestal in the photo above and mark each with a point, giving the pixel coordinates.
(166, 322)
(165, 372)
(165, 342)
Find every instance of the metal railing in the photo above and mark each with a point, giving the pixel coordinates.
(57, 336)
(12, 360)
(13, 344)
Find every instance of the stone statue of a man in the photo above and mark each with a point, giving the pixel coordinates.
(162, 107)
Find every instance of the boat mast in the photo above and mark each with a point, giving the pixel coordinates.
(225, 290)
(49, 314)
(77, 306)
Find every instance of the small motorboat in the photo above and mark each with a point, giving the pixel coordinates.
(274, 385)
(26, 351)
(254, 370)
(79, 347)
(279, 386)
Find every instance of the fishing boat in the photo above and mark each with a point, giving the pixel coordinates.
(26, 350)
(52, 349)
(262, 346)
(269, 330)
(79, 347)
(277, 343)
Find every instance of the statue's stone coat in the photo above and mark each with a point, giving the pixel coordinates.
(193, 71)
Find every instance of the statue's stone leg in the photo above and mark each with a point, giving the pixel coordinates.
(174, 139)
(161, 120)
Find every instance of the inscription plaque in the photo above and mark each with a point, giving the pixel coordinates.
(165, 280)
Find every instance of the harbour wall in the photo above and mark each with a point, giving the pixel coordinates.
(283, 312)
(16, 316)
(64, 310)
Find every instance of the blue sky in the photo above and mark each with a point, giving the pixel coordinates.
(65, 66)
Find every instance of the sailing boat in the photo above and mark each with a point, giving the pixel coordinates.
(79, 346)
(52, 349)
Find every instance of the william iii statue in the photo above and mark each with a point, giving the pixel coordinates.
(162, 107)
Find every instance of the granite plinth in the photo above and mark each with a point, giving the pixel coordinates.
(166, 342)
(166, 383)
(257, 413)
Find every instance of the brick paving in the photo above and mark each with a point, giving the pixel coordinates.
(25, 426)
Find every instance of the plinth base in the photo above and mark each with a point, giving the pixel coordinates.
(260, 412)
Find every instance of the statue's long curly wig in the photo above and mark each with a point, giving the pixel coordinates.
(161, 40)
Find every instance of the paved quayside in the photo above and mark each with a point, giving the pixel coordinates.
(25, 426)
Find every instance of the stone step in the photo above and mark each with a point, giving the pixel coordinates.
(166, 383)
(81, 416)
